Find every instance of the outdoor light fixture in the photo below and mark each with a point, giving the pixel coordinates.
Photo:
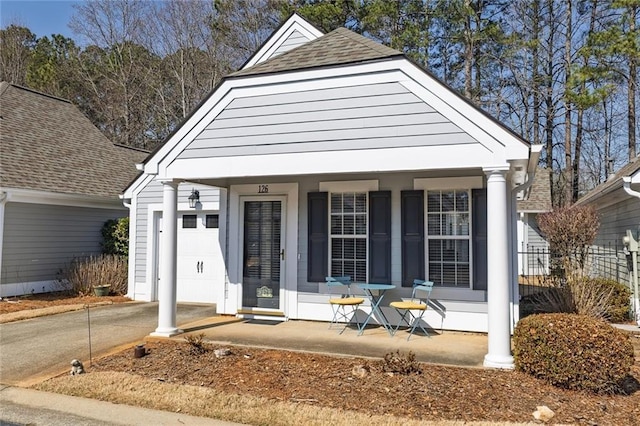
(194, 198)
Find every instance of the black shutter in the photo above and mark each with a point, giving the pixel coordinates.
(380, 237)
(318, 237)
(479, 238)
(412, 212)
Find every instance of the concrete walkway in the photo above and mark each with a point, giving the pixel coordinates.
(30, 407)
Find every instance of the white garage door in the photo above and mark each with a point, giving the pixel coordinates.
(200, 264)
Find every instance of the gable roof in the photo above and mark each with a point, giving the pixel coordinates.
(294, 31)
(538, 197)
(612, 183)
(49, 145)
(325, 57)
(339, 47)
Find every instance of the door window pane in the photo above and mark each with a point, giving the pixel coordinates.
(189, 221)
(212, 221)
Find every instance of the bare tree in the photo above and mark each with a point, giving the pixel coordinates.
(16, 44)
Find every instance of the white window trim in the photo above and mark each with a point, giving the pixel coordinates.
(448, 184)
(348, 186)
(433, 184)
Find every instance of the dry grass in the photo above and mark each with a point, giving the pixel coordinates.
(123, 388)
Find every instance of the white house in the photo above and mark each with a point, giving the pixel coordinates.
(332, 155)
(60, 179)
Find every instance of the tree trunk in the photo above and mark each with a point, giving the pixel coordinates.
(632, 81)
(568, 175)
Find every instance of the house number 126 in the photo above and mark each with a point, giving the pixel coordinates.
(263, 189)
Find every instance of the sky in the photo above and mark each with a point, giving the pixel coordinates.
(42, 17)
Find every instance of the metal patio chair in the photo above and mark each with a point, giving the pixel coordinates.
(419, 302)
(343, 303)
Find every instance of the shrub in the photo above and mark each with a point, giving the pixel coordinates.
(570, 231)
(196, 343)
(115, 236)
(618, 309)
(82, 274)
(395, 362)
(573, 352)
(595, 297)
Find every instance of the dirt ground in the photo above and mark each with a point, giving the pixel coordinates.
(46, 300)
(396, 387)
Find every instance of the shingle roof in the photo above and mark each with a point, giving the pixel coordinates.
(539, 195)
(47, 144)
(612, 183)
(339, 47)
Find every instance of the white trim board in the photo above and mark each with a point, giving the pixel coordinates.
(502, 144)
(294, 23)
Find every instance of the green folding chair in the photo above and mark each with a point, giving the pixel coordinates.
(418, 303)
(343, 303)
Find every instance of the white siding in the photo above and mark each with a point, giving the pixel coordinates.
(295, 39)
(40, 239)
(358, 117)
(152, 195)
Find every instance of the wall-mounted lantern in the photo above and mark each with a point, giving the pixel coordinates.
(194, 198)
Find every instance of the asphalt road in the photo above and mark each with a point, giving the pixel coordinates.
(44, 346)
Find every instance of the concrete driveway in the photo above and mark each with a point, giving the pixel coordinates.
(41, 347)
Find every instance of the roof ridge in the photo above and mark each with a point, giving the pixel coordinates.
(364, 50)
(365, 41)
(17, 86)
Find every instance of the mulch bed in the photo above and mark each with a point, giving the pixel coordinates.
(433, 393)
(45, 300)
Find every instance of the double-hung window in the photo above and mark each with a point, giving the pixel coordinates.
(348, 234)
(449, 237)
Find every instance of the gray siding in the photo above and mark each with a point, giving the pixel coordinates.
(359, 117)
(295, 39)
(152, 194)
(41, 239)
(608, 258)
(616, 219)
(534, 237)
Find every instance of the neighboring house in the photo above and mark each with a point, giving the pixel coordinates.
(333, 155)
(59, 182)
(533, 248)
(617, 202)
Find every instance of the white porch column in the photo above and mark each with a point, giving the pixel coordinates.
(167, 306)
(498, 259)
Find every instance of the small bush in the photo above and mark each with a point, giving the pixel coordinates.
(395, 362)
(595, 297)
(573, 352)
(82, 274)
(115, 237)
(620, 301)
(197, 344)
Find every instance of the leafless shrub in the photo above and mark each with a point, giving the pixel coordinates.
(570, 231)
(197, 344)
(576, 295)
(82, 274)
(396, 362)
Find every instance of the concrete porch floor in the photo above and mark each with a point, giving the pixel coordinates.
(443, 347)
